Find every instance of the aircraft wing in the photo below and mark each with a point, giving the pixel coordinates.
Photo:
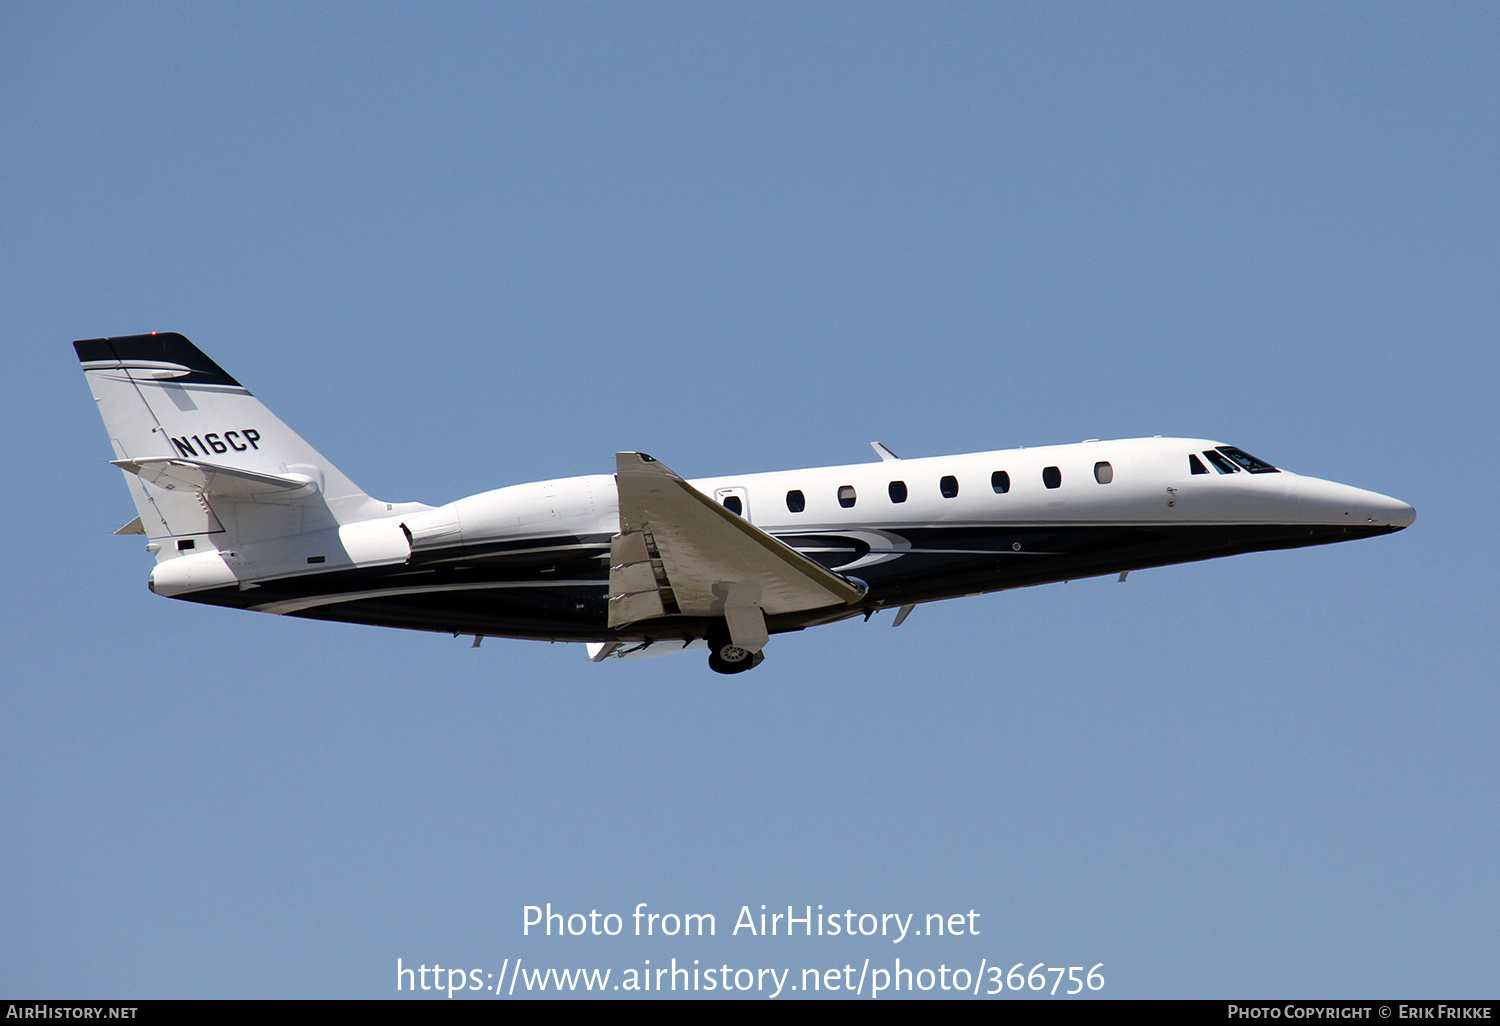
(679, 552)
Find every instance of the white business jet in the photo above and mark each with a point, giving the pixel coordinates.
(240, 511)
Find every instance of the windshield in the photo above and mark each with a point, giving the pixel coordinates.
(1247, 461)
(1221, 462)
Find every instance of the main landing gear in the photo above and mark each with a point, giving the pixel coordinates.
(724, 656)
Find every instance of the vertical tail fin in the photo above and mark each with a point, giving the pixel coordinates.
(202, 455)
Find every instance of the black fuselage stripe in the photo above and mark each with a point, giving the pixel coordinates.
(568, 601)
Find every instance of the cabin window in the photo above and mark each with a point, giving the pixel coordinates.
(1195, 464)
(1221, 462)
(1000, 481)
(1103, 473)
(846, 496)
(1052, 477)
(949, 486)
(796, 502)
(734, 505)
(898, 491)
(1247, 461)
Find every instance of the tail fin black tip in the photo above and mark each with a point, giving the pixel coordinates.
(167, 347)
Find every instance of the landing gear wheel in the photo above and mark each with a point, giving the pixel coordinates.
(746, 660)
(724, 656)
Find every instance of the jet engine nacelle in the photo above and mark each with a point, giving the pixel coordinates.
(197, 572)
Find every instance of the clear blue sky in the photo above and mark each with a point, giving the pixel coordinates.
(464, 246)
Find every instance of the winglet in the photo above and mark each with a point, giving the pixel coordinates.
(883, 452)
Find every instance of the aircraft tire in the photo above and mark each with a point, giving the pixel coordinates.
(724, 656)
(739, 659)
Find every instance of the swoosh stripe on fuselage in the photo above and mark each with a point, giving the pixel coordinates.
(943, 562)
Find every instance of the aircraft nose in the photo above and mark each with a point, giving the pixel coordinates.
(1401, 514)
(1329, 502)
(1381, 510)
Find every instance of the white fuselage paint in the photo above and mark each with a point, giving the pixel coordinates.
(1151, 485)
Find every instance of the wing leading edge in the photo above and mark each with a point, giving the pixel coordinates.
(679, 553)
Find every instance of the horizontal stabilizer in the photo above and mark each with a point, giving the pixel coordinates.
(172, 473)
(679, 552)
(134, 527)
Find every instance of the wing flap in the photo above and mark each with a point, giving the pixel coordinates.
(637, 581)
(701, 556)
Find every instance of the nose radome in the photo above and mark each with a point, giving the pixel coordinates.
(1402, 514)
(1330, 502)
(1381, 510)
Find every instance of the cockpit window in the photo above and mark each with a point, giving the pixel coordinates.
(1221, 462)
(1195, 465)
(1247, 461)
